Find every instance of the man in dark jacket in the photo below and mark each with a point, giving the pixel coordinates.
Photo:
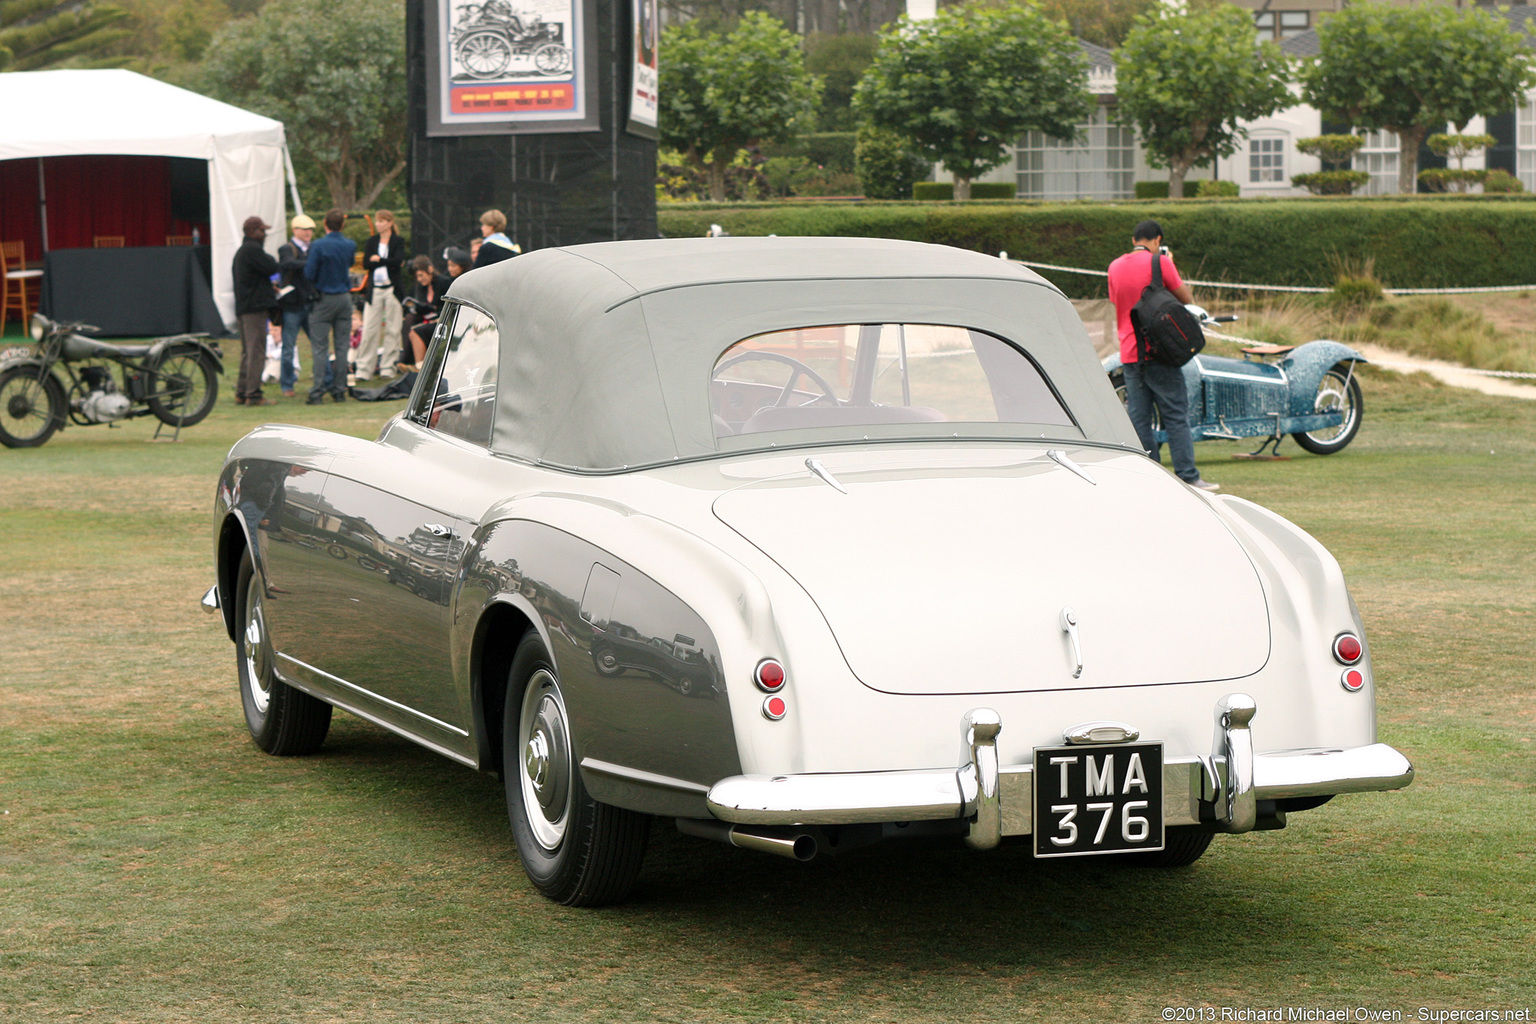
(329, 267)
(255, 297)
(295, 296)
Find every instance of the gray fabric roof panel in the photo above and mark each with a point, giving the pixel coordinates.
(607, 350)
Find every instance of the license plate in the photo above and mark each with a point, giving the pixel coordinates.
(1098, 799)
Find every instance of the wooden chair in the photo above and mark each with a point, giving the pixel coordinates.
(178, 239)
(109, 241)
(18, 280)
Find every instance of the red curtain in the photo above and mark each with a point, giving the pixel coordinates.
(89, 196)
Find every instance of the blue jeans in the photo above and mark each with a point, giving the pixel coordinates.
(1146, 383)
(293, 319)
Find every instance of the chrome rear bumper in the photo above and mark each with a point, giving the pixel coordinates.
(998, 801)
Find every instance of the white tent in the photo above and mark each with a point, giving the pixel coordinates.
(84, 113)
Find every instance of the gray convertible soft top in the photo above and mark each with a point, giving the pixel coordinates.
(607, 349)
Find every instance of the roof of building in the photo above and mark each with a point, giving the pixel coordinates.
(1098, 57)
(1520, 19)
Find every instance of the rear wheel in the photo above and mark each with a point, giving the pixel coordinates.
(576, 851)
(31, 407)
(283, 721)
(1181, 847)
(1338, 391)
(183, 389)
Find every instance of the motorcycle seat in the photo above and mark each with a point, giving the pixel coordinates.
(1267, 350)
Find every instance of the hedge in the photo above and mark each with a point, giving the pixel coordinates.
(944, 191)
(1416, 242)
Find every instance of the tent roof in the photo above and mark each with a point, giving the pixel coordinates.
(72, 113)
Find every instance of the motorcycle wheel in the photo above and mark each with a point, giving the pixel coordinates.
(185, 386)
(484, 54)
(552, 59)
(1334, 396)
(31, 409)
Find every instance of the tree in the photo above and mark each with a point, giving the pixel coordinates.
(1186, 80)
(723, 93)
(334, 74)
(39, 34)
(1412, 70)
(963, 86)
(839, 61)
(1102, 22)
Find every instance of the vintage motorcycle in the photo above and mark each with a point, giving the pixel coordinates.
(487, 37)
(1306, 392)
(175, 379)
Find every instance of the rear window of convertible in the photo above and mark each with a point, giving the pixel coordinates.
(890, 380)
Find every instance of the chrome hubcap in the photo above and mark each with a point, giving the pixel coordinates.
(547, 768)
(253, 648)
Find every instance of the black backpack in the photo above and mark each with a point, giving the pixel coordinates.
(1166, 332)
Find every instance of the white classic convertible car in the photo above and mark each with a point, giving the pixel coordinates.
(804, 544)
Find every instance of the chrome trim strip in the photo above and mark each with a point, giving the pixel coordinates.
(619, 771)
(210, 600)
(373, 696)
(1284, 381)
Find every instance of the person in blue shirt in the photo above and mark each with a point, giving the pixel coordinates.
(329, 266)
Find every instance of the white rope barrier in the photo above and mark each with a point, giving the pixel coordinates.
(1287, 287)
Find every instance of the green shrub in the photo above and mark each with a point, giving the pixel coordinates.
(1500, 180)
(1333, 150)
(1159, 189)
(1476, 240)
(886, 166)
(1217, 190)
(832, 151)
(1331, 183)
(1450, 179)
(945, 190)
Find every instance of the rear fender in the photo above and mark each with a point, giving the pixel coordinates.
(178, 343)
(1305, 366)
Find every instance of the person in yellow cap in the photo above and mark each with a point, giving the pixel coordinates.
(296, 299)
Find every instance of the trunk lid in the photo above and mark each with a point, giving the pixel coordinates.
(945, 576)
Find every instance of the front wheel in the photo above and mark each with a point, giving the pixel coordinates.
(32, 406)
(551, 59)
(1338, 391)
(183, 388)
(283, 721)
(1181, 848)
(576, 851)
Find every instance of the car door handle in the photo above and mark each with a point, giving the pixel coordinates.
(437, 529)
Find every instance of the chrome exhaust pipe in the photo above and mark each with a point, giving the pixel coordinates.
(800, 846)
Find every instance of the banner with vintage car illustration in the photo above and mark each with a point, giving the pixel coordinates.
(506, 66)
(643, 94)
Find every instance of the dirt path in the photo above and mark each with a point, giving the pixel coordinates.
(1450, 373)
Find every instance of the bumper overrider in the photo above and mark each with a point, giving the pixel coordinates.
(1221, 790)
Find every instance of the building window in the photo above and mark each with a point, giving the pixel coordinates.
(1100, 163)
(1378, 158)
(1525, 144)
(1271, 25)
(1266, 160)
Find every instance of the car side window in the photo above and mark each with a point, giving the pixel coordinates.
(457, 394)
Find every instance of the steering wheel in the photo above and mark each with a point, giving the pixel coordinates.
(800, 370)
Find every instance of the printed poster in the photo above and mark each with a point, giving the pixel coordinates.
(506, 66)
(644, 80)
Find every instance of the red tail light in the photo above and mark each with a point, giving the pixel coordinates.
(774, 708)
(769, 676)
(1347, 649)
(1353, 679)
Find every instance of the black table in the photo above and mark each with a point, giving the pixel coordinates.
(132, 293)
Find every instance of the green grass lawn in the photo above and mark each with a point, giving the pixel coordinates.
(155, 866)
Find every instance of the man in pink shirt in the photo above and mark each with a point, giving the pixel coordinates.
(1146, 383)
